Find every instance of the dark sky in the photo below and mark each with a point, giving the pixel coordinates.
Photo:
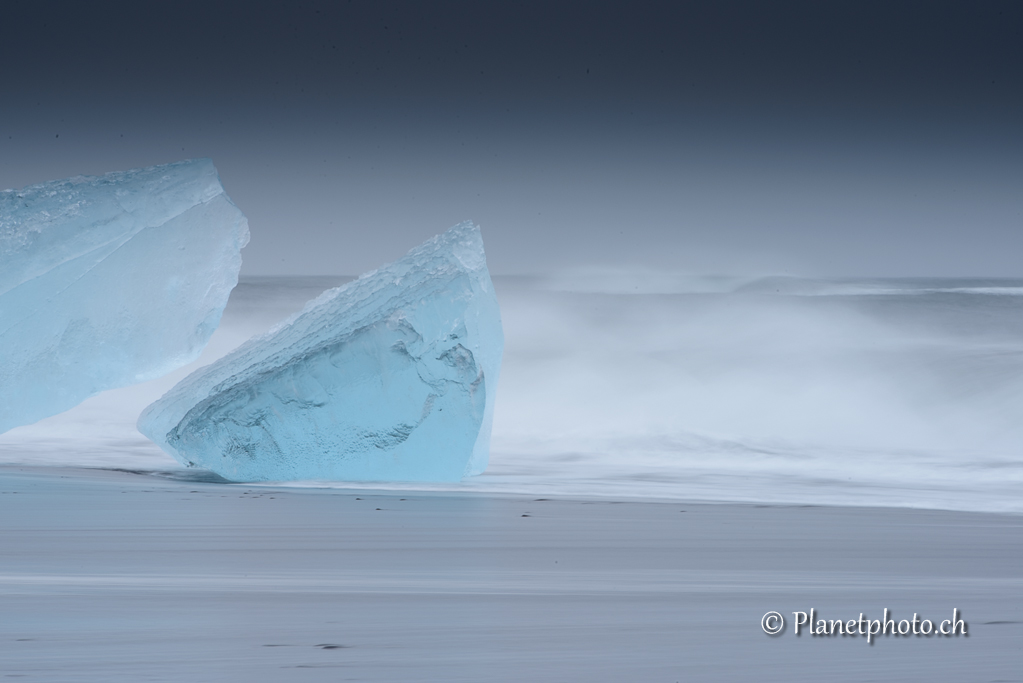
(816, 138)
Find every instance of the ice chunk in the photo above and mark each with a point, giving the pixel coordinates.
(391, 377)
(111, 280)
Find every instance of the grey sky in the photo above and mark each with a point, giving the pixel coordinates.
(718, 137)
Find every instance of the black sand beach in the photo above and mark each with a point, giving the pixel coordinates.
(115, 576)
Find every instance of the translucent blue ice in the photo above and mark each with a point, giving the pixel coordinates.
(390, 377)
(111, 280)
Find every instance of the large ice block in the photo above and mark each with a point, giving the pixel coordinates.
(390, 377)
(111, 280)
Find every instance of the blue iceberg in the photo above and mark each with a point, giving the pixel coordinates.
(108, 281)
(391, 377)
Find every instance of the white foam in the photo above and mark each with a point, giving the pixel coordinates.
(895, 400)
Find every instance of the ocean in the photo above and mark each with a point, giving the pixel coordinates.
(638, 385)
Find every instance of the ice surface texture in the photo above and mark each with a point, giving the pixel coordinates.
(391, 377)
(111, 280)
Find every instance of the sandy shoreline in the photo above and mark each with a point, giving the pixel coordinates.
(114, 576)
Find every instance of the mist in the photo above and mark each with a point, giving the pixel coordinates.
(638, 385)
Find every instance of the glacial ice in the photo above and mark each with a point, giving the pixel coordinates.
(111, 280)
(391, 377)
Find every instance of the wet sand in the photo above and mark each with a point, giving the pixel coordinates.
(114, 576)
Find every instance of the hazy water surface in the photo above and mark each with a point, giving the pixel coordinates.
(864, 392)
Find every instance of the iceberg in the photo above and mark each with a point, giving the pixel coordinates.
(108, 281)
(390, 377)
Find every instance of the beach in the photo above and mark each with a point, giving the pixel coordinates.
(668, 466)
(121, 576)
